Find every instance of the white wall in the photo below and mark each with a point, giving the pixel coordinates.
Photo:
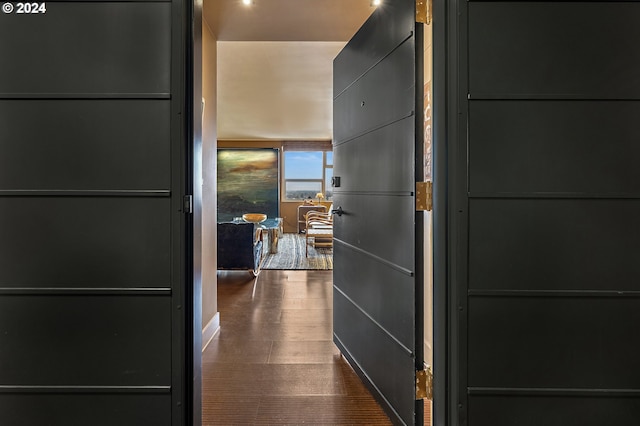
(210, 316)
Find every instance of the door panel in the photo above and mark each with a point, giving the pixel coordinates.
(375, 354)
(82, 410)
(389, 286)
(97, 348)
(93, 264)
(87, 157)
(551, 411)
(85, 242)
(598, 248)
(567, 337)
(387, 142)
(360, 227)
(513, 142)
(392, 26)
(593, 52)
(542, 221)
(94, 47)
(378, 240)
(384, 94)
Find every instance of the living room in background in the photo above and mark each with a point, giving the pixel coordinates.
(248, 182)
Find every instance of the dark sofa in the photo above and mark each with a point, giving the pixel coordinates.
(239, 247)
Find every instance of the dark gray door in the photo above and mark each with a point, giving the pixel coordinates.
(378, 237)
(92, 236)
(545, 195)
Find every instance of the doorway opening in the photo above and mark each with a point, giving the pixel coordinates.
(215, 128)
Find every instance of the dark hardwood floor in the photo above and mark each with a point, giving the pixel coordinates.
(273, 361)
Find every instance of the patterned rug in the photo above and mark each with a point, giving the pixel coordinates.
(291, 255)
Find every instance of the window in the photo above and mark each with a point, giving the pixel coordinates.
(306, 173)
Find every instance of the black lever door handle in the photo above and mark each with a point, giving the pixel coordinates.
(337, 211)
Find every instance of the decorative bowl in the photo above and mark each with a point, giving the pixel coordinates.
(254, 217)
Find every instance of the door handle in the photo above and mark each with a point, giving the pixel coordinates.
(337, 211)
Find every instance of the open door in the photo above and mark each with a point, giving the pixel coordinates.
(544, 196)
(378, 234)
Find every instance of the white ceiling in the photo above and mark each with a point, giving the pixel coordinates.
(275, 90)
(275, 64)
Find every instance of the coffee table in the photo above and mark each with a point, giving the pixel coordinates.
(273, 227)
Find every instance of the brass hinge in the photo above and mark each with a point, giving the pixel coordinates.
(424, 196)
(424, 384)
(424, 11)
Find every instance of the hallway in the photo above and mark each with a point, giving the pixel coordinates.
(273, 361)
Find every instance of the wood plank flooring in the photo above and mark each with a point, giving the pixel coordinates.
(273, 361)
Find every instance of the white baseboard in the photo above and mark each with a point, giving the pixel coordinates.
(209, 331)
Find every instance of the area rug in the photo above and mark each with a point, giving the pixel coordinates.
(291, 255)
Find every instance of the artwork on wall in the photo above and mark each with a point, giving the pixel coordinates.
(248, 182)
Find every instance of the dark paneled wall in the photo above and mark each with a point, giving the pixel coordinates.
(548, 293)
(90, 254)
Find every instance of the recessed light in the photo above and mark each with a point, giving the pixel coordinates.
(375, 3)
(247, 2)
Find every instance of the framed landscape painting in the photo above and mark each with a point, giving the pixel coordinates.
(248, 182)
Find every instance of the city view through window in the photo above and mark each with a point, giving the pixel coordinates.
(307, 173)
